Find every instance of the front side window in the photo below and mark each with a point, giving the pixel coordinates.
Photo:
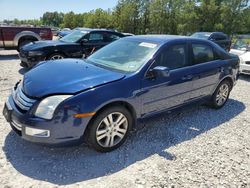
(124, 55)
(202, 53)
(172, 57)
(74, 36)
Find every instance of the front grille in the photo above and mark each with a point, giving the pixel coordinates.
(23, 53)
(246, 71)
(21, 100)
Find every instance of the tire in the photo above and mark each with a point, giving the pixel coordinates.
(56, 56)
(221, 94)
(111, 136)
(23, 64)
(23, 43)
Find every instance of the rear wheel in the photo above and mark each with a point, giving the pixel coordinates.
(109, 129)
(221, 95)
(23, 43)
(56, 56)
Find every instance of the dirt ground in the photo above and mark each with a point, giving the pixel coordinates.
(198, 147)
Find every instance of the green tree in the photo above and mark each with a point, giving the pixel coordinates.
(52, 18)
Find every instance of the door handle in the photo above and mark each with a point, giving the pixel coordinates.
(188, 77)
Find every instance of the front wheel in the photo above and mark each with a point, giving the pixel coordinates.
(56, 56)
(221, 95)
(109, 129)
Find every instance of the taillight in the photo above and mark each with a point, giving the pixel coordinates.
(46, 33)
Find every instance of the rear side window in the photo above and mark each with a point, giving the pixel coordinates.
(172, 57)
(95, 37)
(202, 53)
(110, 37)
(220, 37)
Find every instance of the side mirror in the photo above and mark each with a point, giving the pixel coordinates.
(84, 41)
(159, 71)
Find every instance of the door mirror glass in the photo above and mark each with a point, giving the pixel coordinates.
(159, 71)
(84, 41)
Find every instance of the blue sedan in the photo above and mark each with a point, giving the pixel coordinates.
(101, 98)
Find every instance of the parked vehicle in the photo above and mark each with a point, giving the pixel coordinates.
(64, 32)
(128, 34)
(80, 43)
(241, 47)
(101, 98)
(55, 31)
(219, 38)
(16, 37)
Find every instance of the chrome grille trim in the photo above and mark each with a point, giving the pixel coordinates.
(17, 125)
(21, 100)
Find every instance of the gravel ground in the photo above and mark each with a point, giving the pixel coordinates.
(198, 147)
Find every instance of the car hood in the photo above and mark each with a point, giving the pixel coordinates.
(237, 52)
(67, 76)
(42, 44)
(246, 56)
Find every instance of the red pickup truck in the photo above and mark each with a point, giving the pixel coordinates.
(16, 37)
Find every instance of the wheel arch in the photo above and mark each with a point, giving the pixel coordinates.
(25, 35)
(125, 104)
(229, 79)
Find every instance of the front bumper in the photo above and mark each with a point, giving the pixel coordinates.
(63, 129)
(30, 61)
(245, 69)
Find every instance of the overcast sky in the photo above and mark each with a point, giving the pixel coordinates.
(33, 9)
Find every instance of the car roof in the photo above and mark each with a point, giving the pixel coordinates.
(210, 33)
(162, 39)
(91, 29)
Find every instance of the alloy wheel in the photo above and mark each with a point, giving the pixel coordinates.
(222, 94)
(55, 57)
(112, 129)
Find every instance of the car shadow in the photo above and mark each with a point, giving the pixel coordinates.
(64, 166)
(22, 71)
(245, 77)
(5, 57)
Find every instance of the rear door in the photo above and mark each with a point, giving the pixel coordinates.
(207, 67)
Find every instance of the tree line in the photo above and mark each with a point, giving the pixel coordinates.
(158, 16)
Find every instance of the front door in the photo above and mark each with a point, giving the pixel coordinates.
(161, 93)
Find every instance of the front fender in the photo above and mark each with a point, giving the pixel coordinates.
(95, 99)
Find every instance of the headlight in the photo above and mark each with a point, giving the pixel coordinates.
(35, 53)
(241, 61)
(48, 105)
